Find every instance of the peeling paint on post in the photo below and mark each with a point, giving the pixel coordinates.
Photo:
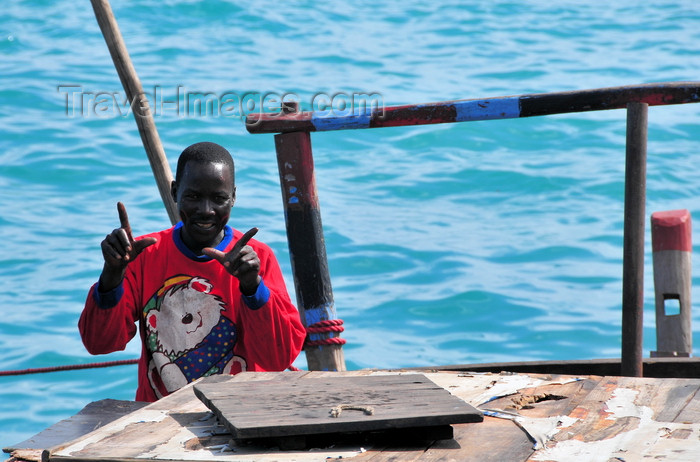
(307, 247)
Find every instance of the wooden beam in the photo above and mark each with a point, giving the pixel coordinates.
(369, 111)
(676, 367)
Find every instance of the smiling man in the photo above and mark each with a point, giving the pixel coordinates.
(207, 298)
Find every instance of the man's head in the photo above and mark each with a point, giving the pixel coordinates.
(205, 152)
(204, 190)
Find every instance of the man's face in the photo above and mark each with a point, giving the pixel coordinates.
(204, 196)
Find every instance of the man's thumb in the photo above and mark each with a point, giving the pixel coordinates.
(141, 244)
(216, 254)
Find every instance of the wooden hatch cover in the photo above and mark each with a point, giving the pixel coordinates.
(333, 405)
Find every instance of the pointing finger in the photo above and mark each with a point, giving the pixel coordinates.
(124, 220)
(244, 239)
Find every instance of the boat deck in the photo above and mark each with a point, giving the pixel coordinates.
(527, 417)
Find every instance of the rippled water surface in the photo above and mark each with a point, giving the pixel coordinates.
(473, 242)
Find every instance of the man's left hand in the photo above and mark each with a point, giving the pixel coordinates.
(241, 262)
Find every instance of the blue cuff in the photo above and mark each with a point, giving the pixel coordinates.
(259, 298)
(106, 300)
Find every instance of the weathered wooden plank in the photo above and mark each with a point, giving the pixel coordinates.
(273, 409)
(24, 455)
(593, 420)
(600, 419)
(182, 398)
(471, 443)
(476, 443)
(628, 419)
(91, 417)
(546, 400)
(667, 399)
(134, 439)
(691, 411)
(653, 367)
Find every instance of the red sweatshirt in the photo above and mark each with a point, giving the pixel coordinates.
(192, 318)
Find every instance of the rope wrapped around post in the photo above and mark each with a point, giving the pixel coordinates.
(322, 327)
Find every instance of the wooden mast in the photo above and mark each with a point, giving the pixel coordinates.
(139, 103)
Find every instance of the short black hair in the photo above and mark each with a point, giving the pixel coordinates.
(205, 152)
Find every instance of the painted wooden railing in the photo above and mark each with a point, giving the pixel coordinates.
(468, 110)
(303, 217)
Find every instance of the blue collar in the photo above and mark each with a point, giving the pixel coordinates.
(177, 238)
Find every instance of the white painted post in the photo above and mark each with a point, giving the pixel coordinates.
(672, 246)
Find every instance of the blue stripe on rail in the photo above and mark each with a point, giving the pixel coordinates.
(488, 109)
(329, 120)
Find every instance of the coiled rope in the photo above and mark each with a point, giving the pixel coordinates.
(321, 327)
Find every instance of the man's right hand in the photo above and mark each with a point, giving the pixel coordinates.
(119, 249)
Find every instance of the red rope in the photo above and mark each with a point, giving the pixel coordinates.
(70, 367)
(326, 341)
(330, 325)
(322, 327)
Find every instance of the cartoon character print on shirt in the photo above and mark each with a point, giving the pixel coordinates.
(187, 335)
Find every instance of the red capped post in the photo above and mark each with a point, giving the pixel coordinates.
(672, 247)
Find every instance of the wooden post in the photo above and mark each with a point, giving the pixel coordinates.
(139, 103)
(671, 243)
(633, 245)
(307, 247)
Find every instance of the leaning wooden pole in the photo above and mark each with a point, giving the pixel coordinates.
(307, 251)
(139, 103)
(633, 242)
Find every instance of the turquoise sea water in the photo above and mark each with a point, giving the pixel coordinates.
(473, 242)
